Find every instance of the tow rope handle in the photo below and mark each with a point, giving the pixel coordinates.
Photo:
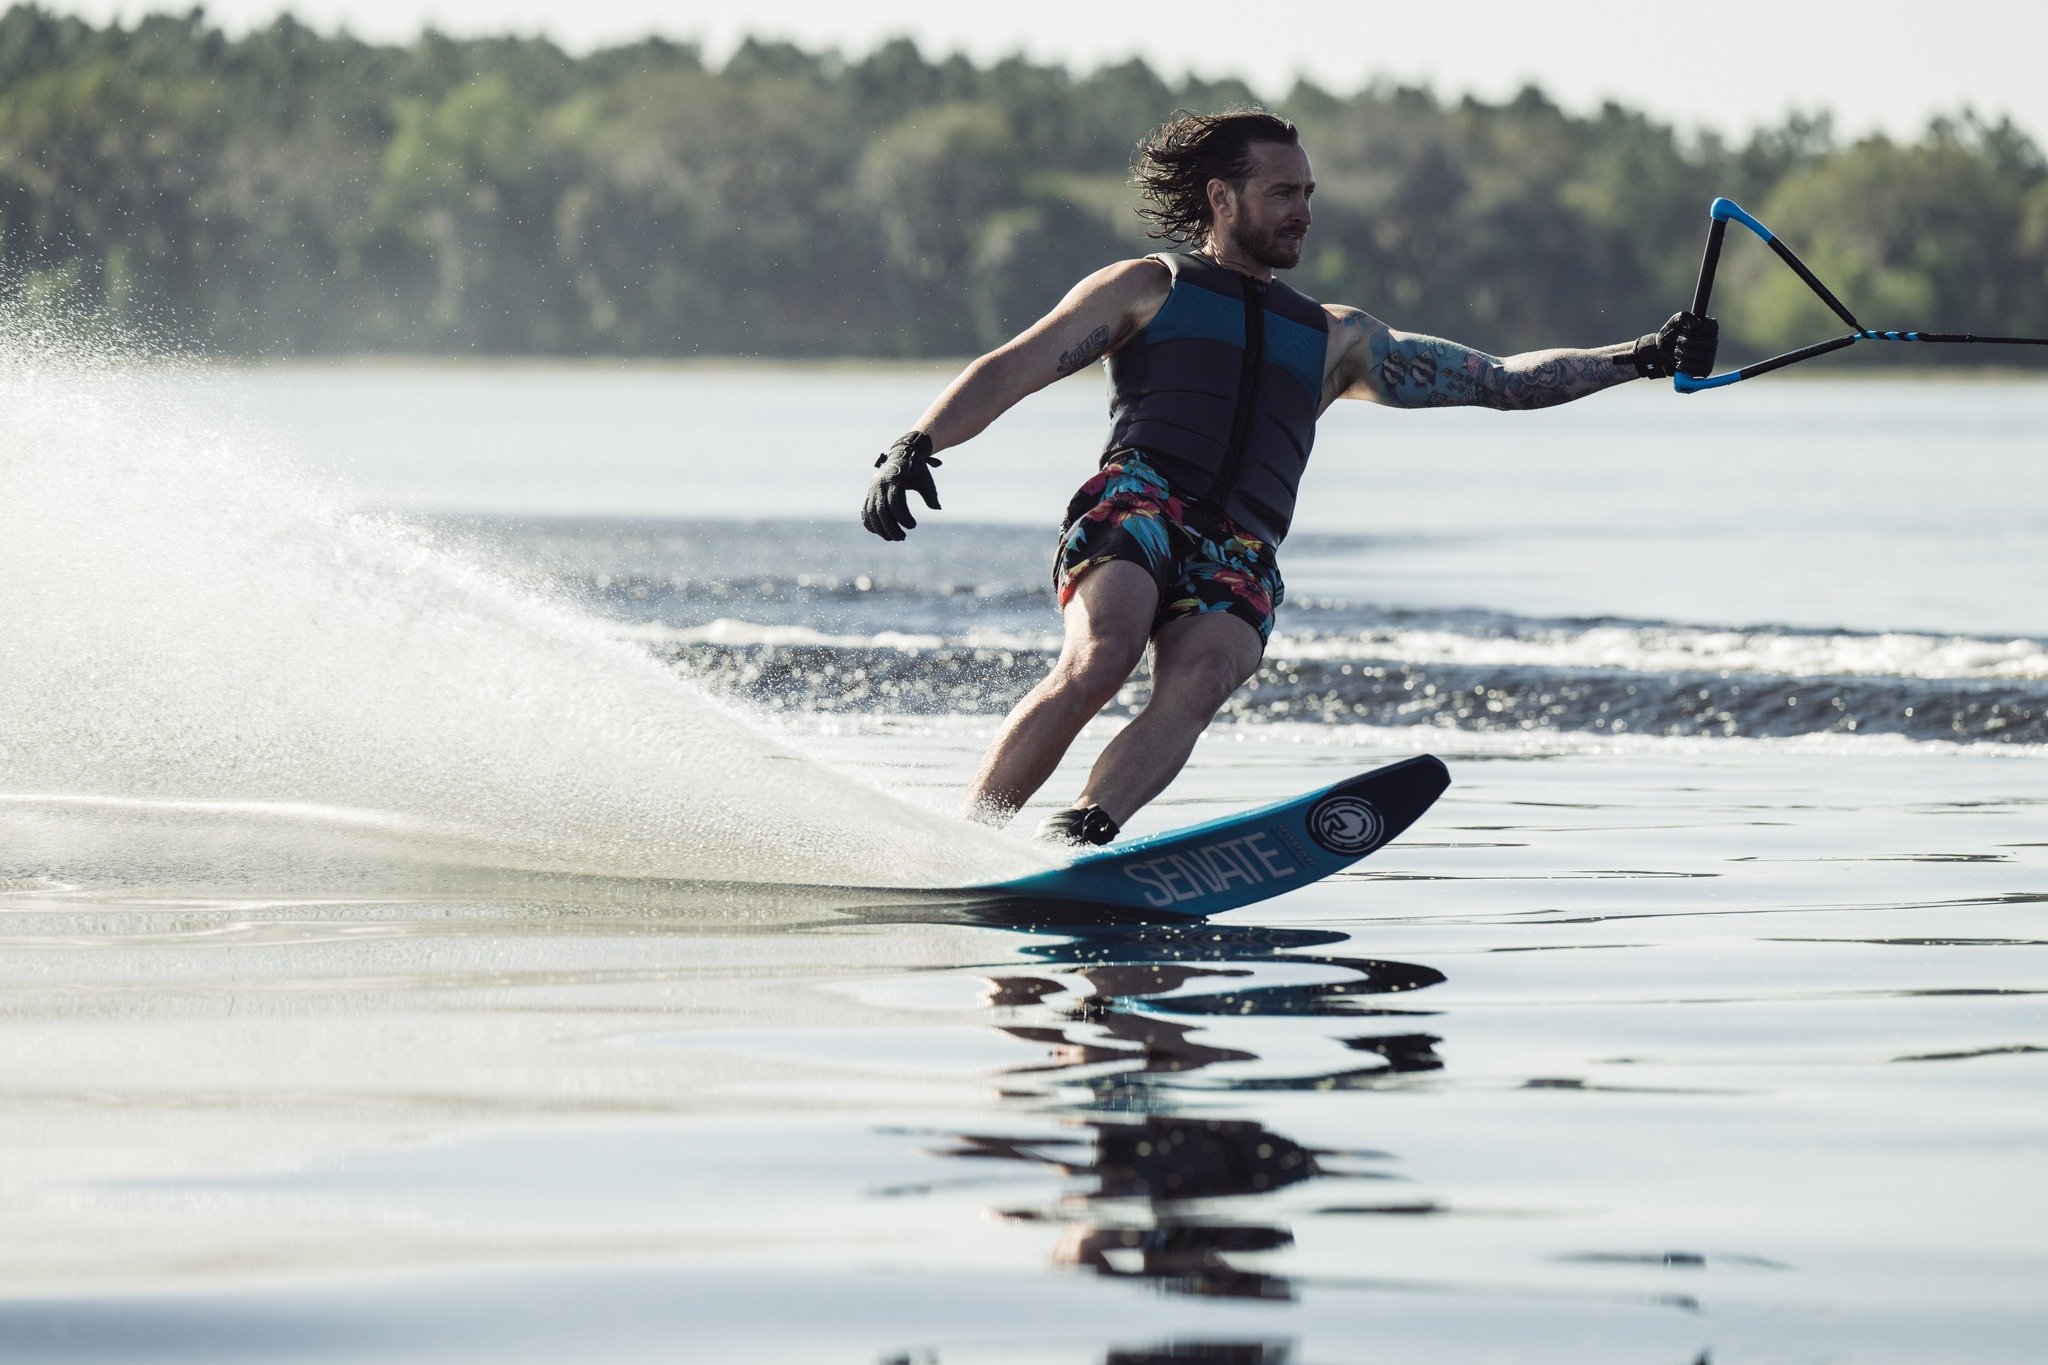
(1725, 211)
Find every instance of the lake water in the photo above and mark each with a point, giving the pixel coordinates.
(423, 790)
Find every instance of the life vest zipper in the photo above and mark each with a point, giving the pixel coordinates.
(1247, 392)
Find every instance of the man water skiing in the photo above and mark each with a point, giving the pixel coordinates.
(1218, 373)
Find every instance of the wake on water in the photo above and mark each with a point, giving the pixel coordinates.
(212, 663)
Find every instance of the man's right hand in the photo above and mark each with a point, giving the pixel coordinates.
(906, 468)
(1685, 345)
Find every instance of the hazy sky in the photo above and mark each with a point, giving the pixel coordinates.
(1727, 63)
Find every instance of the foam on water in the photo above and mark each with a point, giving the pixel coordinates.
(198, 635)
(1639, 647)
(1663, 648)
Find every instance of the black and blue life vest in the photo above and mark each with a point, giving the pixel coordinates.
(1222, 390)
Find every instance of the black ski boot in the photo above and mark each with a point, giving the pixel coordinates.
(1081, 828)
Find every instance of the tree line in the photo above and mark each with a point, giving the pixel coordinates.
(294, 192)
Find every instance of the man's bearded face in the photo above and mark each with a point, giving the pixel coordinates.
(1272, 214)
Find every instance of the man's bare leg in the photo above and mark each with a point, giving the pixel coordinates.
(1197, 662)
(1107, 620)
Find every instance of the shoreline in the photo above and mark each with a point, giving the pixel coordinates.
(1927, 374)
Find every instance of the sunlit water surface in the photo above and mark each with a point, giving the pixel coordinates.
(401, 996)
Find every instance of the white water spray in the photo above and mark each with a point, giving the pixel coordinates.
(196, 637)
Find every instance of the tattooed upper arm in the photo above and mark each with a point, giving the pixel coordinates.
(1406, 369)
(1095, 318)
(1085, 352)
(1413, 371)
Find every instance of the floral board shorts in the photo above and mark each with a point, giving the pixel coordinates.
(1199, 558)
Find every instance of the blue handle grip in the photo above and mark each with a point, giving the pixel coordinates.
(1685, 383)
(1725, 210)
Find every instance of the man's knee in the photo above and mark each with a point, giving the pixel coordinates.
(1093, 671)
(1203, 681)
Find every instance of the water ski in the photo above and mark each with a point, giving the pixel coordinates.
(1222, 864)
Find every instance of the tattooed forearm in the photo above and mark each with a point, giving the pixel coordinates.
(1087, 353)
(1427, 372)
(1543, 379)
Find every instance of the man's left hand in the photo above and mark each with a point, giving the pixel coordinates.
(906, 468)
(1685, 345)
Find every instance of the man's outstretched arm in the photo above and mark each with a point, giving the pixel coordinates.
(1410, 370)
(1095, 318)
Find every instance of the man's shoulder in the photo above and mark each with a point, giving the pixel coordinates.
(1137, 271)
(1349, 321)
(1130, 284)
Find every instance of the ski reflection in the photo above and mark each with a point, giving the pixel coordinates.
(1134, 1024)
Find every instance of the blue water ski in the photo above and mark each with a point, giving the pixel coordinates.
(1222, 864)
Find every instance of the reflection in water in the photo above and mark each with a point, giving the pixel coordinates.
(1128, 1014)
(1205, 1353)
(1170, 1353)
(1157, 1165)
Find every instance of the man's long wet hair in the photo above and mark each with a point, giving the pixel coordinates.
(1177, 160)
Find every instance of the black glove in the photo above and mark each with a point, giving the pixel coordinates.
(906, 468)
(1685, 345)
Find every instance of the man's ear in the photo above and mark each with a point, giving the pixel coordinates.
(1219, 198)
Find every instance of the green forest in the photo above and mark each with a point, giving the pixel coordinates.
(290, 192)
